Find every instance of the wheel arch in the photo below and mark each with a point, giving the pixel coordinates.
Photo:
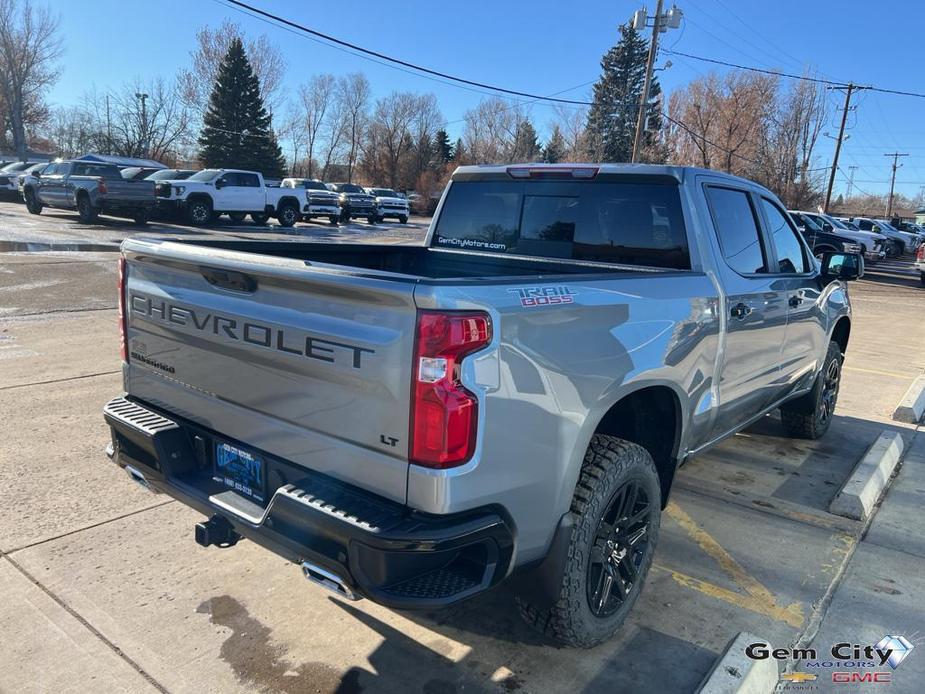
(200, 197)
(651, 415)
(841, 331)
(287, 200)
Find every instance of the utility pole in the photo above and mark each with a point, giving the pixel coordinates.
(851, 170)
(889, 204)
(841, 135)
(660, 23)
(108, 128)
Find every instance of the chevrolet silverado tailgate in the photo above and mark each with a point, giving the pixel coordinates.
(307, 364)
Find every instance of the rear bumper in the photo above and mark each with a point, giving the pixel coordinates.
(379, 549)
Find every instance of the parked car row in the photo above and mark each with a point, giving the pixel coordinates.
(199, 197)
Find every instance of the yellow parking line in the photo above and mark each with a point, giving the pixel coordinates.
(792, 614)
(877, 371)
(757, 598)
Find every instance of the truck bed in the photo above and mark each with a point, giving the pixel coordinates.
(415, 263)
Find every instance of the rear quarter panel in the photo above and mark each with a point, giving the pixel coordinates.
(553, 371)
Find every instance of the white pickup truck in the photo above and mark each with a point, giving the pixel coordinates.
(205, 196)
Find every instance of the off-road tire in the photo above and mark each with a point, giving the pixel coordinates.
(199, 212)
(344, 217)
(609, 463)
(260, 218)
(287, 216)
(804, 418)
(237, 217)
(32, 204)
(922, 278)
(403, 219)
(333, 220)
(140, 218)
(86, 212)
(372, 220)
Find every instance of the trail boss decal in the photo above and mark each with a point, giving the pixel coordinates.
(531, 297)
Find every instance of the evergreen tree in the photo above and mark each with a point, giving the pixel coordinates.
(526, 146)
(612, 117)
(444, 149)
(236, 130)
(555, 149)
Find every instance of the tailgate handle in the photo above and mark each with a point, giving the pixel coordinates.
(229, 279)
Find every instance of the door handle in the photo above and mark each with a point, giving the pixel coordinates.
(795, 300)
(740, 310)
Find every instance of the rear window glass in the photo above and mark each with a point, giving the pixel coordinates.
(101, 170)
(631, 223)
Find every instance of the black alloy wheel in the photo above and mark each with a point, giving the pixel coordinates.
(830, 385)
(620, 547)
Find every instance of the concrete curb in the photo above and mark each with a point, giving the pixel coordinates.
(912, 406)
(859, 494)
(736, 673)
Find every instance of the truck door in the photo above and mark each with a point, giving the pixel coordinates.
(51, 184)
(802, 345)
(755, 310)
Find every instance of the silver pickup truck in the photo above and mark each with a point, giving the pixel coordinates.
(90, 188)
(510, 401)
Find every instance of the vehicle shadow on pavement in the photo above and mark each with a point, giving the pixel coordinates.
(507, 655)
(899, 272)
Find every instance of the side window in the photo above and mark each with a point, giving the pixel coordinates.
(248, 180)
(231, 179)
(737, 228)
(790, 257)
(50, 170)
(864, 225)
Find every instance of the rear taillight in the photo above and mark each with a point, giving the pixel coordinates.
(444, 415)
(123, 312)
(101, 185)
(920, 254)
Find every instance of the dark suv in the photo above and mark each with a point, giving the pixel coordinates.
(354, 201)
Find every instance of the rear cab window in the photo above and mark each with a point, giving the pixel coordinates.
(606, 220)
(737, 227)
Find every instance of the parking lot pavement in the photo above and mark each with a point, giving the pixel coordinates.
(59, 229)
(885, 352)
(110, 575)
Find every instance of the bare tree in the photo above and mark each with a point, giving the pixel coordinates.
(72, 131)
(571, 123)
(161, 130)
(29, 51)
(490, 131)
(353, 94)
(211, 46)
(426, 121)
(390, 138)
(724, 121)
(317, 99)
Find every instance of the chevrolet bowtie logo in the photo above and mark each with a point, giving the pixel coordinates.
(798, 677)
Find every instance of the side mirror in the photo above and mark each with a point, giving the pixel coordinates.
(827, 227)
(842, 266)
(37, 174)
(220, 183)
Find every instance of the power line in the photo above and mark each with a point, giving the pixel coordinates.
(398, 61)
(789, 75)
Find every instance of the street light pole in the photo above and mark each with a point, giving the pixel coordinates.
(660, 22)
(144, 122)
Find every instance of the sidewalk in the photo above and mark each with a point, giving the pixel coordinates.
(881, 591)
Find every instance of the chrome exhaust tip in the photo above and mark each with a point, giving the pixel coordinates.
(326, 579)
(138, 477)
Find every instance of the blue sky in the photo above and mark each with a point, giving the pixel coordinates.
(543, 47)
